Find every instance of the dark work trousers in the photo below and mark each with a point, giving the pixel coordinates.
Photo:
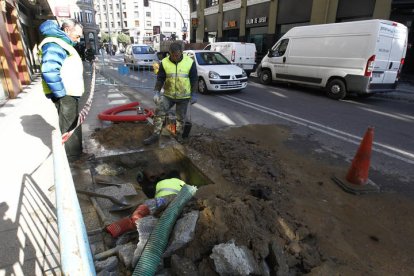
(67, 108)
(162, 109)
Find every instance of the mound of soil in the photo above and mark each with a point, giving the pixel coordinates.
(273, 193)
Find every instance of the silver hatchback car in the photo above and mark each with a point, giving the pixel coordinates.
(140, 55)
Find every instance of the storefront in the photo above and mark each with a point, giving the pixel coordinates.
(351, 10)
(257, 18)
(210, 24)
(289, 16)
(231, 20)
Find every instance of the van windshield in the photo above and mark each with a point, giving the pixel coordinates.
(137, 50)
(211, 58)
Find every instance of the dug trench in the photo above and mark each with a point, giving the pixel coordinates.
(270, 191)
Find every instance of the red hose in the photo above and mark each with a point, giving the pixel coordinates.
(111, 114)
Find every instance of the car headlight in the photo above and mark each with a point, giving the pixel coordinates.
(213, 75)
(244, 73)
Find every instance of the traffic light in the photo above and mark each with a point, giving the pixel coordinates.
(146, 4)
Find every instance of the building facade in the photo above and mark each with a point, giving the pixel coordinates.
(141, 23)
(263, 22)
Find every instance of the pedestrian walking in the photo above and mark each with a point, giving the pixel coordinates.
(177, 74)
(62, 77)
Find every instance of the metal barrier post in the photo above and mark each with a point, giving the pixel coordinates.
(75, 254)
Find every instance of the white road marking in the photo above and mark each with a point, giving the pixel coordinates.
(218, 115)
(387, 150)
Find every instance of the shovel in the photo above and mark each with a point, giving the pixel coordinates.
(121, 202)
(132, 200)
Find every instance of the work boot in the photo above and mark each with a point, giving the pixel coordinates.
(151, 140)
(179, 138)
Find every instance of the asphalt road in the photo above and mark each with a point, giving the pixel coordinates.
(327, 126)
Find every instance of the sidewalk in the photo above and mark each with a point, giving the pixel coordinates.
(28, 228)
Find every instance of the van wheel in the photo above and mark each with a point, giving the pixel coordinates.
(336, 89)
(266, 77)
(202, 87)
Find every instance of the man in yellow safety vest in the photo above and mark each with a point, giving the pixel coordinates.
(177, 74)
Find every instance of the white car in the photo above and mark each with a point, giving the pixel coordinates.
(140, 55)
(216, 73)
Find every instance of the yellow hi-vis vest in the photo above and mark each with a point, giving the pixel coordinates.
(177, 83)
(71, 71)
(168, 187)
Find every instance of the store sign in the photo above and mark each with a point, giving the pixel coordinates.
(230, 24)
(194, 22)
(256, 20)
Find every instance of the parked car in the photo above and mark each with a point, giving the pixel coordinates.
(360, 57)
(140, 55)
(239, 53)
(216, 73)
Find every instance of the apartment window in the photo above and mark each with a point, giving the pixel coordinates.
(106, 24)
(136, 23)
(136, 14)
(117, 6)
(125, 24)
(125, 14)
(136, 7)
(119, 24)
(210, 3)
(112, 24)
(148, 23)
(110, 7)
(88, 15)
(103, 7)
(123, 6)
(148, 14)
(79, 16)
(167, 24)
(117, 15)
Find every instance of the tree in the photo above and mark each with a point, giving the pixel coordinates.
(104, 38)
(124, 39)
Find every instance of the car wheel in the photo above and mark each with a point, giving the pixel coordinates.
(265, 76)
(336, 89)
(202, 87)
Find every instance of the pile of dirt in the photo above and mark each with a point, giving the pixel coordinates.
(273, 194)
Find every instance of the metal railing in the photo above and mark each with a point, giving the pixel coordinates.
(75, 254)
(131, 75)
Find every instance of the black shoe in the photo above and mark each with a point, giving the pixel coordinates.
(179, 139)
(151, 140)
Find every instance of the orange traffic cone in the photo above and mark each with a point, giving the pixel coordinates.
(358, 172)
(357, 181)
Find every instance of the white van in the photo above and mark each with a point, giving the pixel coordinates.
(239, 53)
(362, 57)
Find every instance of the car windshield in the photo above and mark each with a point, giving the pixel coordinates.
(142, 50)
(211, 58)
